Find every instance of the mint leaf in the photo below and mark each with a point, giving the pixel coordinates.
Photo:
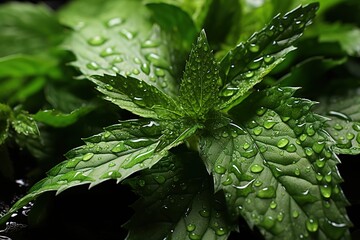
(24, 124)
(201, 80)
(20, 31)
(120, 42)
(137, 96)
(344, 120)
(118, 152)
(177, 202)
(277, 168)
(5, 113)
(248, 63)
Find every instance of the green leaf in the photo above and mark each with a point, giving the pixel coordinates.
(24, 123)
(201, 80)
(177, 202)
(344, 125)
(20, 31)
(5, 113)
(248, 63)
(118, 152)
(118, 41)
(277, 168)
(137, 96)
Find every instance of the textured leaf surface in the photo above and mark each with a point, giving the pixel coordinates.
(177, 202)
(137, 96)
(249, 62)
(200, 83)
(277, 169)
(344, 126)
(24, 123)
(119, 42)
(120, 151)
(20, 31)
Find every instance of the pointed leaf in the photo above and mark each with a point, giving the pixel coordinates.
(137, 96)
(177, 202)
(248, 63)
(277, 168)
(119, 42)
(344, 126)
(200, 83)
(118, 152)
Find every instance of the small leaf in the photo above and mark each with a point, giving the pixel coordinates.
(343, 112)
(137, 96)
(118, 152)
(248, 63)
(277, 168)
(177, 202)
(200, 83)
(24, 123)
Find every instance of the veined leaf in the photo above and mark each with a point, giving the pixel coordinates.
(24, 123)
(20, 31)
(177, 202)
(120, 42)
(118, 152)
(344, 126)
(201, 80)
(276, 166)
(248, 63)
(137, 96)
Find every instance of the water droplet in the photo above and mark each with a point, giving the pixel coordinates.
(260, 111)
(256, 168)
(258, 183)
(136, 71)
(204, 213)
(145, 68)
(338, 127)
(255, 64)
(340, 115)
(320, 162)
(267, 192)
(97, 41)
(112, 164)
(93, 66)
(297, 171)
(108, 52)
(325, 191)
(109, 87)
(194, 236)
(273, 205)
(263, 149)
(291, 148)
(228, 181)
(220, 231)
(117, 59)
(254, 48)
(72, 162)
(225, 134)
(246, 146)
(268, 222)
(282, 143)
(268, 124)
(190, 227)
(318, 146)
(159, 72)
(114, 22)
(308, 151)
(312, 225)
(220, 169)
(303, 137)
(356, 127)
(127, 34)
(160, 179)
(250, 74)
(350, 136)
(295, 214)
(268, 59)
(120, 147)
(87, 156)
(150, 44)
(310, 130)
(280, 216)
(112, 175)
(157, 60)
(257, 130)
(229, 91)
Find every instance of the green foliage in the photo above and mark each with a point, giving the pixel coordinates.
(205, 130)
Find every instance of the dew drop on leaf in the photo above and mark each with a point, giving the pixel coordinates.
(97, 41)
(268, 124)
(112, 175)
(150, 44)
(257, 131)
(312, 225)
(220, 231)
(310, 130)
(253, 47)
(159, 72)
(126, 34)
(325, 191)
(120, 147)
(268, 59)
(356, 127)
(267, 192)
(93, 66)
(268, 222)
(256, 168)
(190, 227)
(283, 142)
(297, 171)
(159, 179)
(338, 127)
(145, 68)
(295, 214)
(141, 182)
(273, 205)
(194, 236)
(114, 22)
(220, 169)
(87, 156)
(204, 213)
